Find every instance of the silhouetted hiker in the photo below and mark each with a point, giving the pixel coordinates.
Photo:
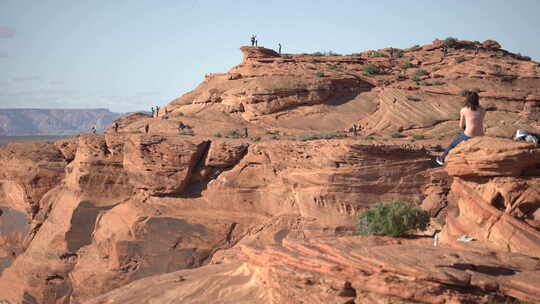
(391, 53)
(471, 120)
(246, 132)
(279, 49)
(157, 111)
(181, 126)
(146, 128)
(256, 42)
(476, 50)
(94, 129)
(445, 51)
(253, 40)
(115, 127)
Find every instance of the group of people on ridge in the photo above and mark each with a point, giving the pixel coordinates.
(255, 42)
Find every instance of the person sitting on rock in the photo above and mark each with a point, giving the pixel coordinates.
(471, 120)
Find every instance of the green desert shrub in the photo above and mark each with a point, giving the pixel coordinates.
(392, 219)
(522, 57)
(415, 48)
(416, 79)
(368, 137)
(329, 53)
(333, 67)
(401, 77)
(418, 137)
(232, 134)
(332, 53)
(371, 69)
(255, 138)
(460, 59)
(218, 135)
(450, 42)
(320, 74)
(378, 54)
(315, 136)
(412, 98)
(407, 65)
(435, 68)
(421, 72)
(396, 135)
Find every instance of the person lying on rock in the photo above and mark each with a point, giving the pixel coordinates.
(471, 120)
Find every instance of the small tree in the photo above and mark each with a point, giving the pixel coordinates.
(392, 219)
(450, 41)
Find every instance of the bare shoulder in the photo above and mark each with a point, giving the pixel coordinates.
(482, 110)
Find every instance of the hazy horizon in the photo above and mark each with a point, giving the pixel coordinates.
(127, 56)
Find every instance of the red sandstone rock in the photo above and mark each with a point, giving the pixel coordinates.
(342, 270)
(131, 206)
(497, 186)
(491, 44)
(485, 156)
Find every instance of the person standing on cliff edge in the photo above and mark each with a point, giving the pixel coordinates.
(279, 49)
(253, 39)
(471, 120)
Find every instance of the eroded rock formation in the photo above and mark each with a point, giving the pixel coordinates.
(197, 210)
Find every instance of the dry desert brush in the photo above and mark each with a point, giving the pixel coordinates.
(394, 219)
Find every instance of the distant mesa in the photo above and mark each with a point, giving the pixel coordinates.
(22, 122)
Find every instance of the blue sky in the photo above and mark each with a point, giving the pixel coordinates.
(129, 55)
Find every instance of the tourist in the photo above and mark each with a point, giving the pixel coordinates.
(279, 49)
(146, 128)
(471, 120)
(253, 40)
(94, 129)
(115, 127)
